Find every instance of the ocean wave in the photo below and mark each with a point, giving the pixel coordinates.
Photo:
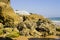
(55, 21)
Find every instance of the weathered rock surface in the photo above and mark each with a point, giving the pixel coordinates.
(7, 15)
(36, 26)
(5, 1)
(13, 25)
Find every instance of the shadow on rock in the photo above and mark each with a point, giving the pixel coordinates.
(6, 38)
(43, 39)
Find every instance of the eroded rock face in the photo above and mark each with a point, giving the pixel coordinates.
(5, 1)
(13, 25)
(36, 26)
(7, 15)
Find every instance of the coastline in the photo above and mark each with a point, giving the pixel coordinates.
(56, 22)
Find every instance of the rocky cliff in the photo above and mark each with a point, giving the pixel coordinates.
(13, 25)
(7, 15)
(5, 1)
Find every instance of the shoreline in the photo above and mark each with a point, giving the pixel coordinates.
(56, 22)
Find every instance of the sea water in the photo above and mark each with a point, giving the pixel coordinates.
(55, 20)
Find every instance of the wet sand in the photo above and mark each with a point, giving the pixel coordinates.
(56, 22)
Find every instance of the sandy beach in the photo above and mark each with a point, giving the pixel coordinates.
(56, 22)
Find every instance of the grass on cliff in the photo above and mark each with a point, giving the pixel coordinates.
(13, 34)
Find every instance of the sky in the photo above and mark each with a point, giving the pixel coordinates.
(47, 8)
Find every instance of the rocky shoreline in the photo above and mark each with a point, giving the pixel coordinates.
(13, 25)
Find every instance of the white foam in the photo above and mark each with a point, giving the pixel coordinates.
(55, 21)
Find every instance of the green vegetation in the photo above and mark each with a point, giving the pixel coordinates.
(1, 21)
(14, 25)
(58, 29)
(9, 30)
(13, 34)
(1, 31)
